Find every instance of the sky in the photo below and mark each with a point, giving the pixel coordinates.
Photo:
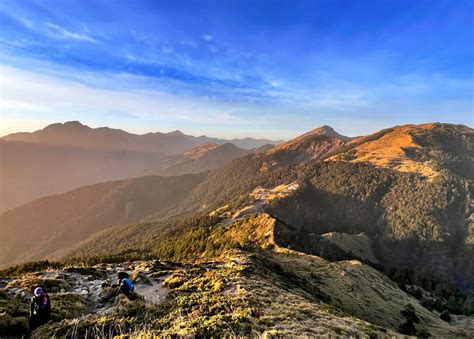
(248, 68)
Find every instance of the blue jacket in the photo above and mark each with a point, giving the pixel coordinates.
(126, 285)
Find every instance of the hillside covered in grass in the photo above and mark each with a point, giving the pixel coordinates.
(357, 247)
(239, 293)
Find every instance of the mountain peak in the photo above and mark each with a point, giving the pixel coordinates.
(315, 144)
(73, 123)
(406, 148)
(69, 125)
(327, 131)
(177, 132)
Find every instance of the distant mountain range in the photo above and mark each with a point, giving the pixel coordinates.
(73, 133)
(437, 152)
(202, 158)
(343, 221)
(65, 156)
(413, 201)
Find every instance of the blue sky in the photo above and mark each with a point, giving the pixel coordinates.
(236, 68)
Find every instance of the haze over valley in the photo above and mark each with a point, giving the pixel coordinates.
(397, 202)
(231, 169)
(61, 157)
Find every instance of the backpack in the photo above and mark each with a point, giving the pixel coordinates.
(128, 284)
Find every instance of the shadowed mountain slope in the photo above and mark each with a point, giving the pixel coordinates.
(31, 170)
(350, 247)
(270, 166)
(425, 223)
(43, 226)
(412, 222)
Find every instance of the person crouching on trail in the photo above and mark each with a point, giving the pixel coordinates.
(40, 309)
(124, 287)
(125, 284)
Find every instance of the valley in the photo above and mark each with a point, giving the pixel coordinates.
(323, 234)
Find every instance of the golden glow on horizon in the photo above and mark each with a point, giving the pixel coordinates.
(9, 126)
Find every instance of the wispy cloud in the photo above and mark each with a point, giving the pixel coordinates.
(135, 101)
(61, 32)
(222, 71)
(29, 94)
(52, 29)
(27, 23)
(207, 37)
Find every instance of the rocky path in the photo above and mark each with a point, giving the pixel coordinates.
(261, 197)
(155, 293)
(90, 284)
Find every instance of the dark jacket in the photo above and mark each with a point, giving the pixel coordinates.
(40, 306)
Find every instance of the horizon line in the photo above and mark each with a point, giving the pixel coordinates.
(187, 133)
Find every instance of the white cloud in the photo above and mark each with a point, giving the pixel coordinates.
(53, 30)
(278, 110)
(207, 37)
(138, 59)
(27, 23)
(28, 98)
(29, 94)
(64, 33)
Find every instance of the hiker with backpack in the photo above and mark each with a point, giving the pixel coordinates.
(40, 309)
(124, 286)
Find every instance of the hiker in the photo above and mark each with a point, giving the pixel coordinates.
(40, 309)
(124, 286)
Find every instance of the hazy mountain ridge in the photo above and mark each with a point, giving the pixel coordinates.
(39, 167)
(208, 190)
(43, 226)
(31, 170)
(402, 210)
(276, 209)
(73, 133)
(207, 157)
(371, 198)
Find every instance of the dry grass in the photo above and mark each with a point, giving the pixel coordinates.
(266, 195)
(389, 151)
(254, 231)
(364, 293)
(359, 244)
(265, 293)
